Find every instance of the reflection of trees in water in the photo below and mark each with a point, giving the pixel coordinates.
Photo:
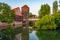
(48, 35)
(7, 34)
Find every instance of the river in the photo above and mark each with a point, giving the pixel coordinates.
(41, 35)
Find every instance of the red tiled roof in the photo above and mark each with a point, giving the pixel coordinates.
(16, 9)
(18, 12)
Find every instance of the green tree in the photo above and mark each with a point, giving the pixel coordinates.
(57, 18)
(55, 6)
(30, 14)
(46, 22)
(45, 9)
(6, 14)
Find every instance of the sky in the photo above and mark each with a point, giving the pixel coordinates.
(34, 5)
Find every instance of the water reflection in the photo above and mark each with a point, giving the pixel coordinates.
(32, 36)
(25, 34)
(39, 35)
(48, 35)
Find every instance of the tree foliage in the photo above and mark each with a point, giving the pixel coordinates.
(45, 9)
(55, 6)
(47, 22)
(30, 15)
(57, 18)
(6, 14)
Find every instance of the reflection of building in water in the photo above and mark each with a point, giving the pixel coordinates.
(25, 34)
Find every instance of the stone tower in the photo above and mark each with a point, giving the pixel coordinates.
(25, 13)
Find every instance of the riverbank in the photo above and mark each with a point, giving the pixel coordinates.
(14, 24)
(3, 25)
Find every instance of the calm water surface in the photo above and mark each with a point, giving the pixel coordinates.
(33, 36)
(43, 35)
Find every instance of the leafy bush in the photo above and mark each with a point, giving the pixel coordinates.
(57, 18)
(46, 22)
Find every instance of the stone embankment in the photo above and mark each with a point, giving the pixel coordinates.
(3, 25)
(13, 24)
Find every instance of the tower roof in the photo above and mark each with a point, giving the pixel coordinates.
(24, 6)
